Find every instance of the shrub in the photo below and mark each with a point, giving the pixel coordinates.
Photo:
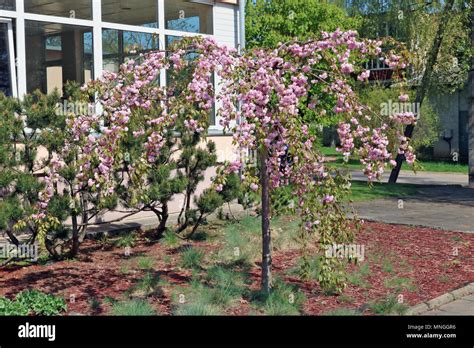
(170, 239)
(147, 285)
(307, 270)
(388, 305)
(242, 240)
(283, 299)
(198, 300)
(197, 309)
(133, 308)
(227, 285)
(12, 308)
(191, 258)
(22, 188)
(127, 240)
(399, 284)
(94, 304)
(145, 263)
(32, 302)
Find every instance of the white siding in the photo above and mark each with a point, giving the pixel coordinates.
(226, 22)
(226, 32)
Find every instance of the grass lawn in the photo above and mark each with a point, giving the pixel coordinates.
(427, 166)
(361, 191)
(219, 274)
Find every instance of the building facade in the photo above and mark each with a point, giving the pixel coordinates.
(45, 43)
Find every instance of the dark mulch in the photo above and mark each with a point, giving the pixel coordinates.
(425, 256)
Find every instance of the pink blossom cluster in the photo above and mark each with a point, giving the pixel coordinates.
(395, 62)
(44, 197)
(260, 96)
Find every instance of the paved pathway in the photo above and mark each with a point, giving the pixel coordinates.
(463, 306)
(445, 207)
(421, 178)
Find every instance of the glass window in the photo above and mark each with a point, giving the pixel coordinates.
(81, 9)
(5, 67)
(119, 45)
(7, 5)
(189, 16)
(133, 12)
(57, 53)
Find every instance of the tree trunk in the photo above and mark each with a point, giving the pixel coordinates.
(266, 233)
(425, 82)
(84, 219)
(163, 217)
(11, 235)
(75, 238)
(471, 107)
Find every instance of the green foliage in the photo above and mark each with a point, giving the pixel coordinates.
(199, 308)
(327, 219)
(197, 299)
(147, 286)
(127, 240)
(170, 239)
(271, 22)
(387, 266)
(133, 308)
(32, 303)
(12, 308)
(19, 187)
(95, 304)
(400, 284)
(21, 161)
(283, 201)
(192, 257)
(193, 163)
(415, 24)
(388, 305)
(242, 240)
(145, 263)
(284, 299)
(357, 278)
(309, 270)
(232, 189)
(209, 201)
(428, 125)
(227, 285)
(221, 289)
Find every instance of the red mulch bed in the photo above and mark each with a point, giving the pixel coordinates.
(424, 255)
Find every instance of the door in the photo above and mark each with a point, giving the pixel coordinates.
(8, 84)
(463, 136)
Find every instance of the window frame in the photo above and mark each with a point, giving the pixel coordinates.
(97, 25)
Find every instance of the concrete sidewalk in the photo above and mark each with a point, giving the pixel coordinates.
(448, 208)
(456, 302)
(463, 306)
(420, 178)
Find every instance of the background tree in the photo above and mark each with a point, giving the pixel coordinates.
(274, 21)
(415, 24)
(425, 82)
